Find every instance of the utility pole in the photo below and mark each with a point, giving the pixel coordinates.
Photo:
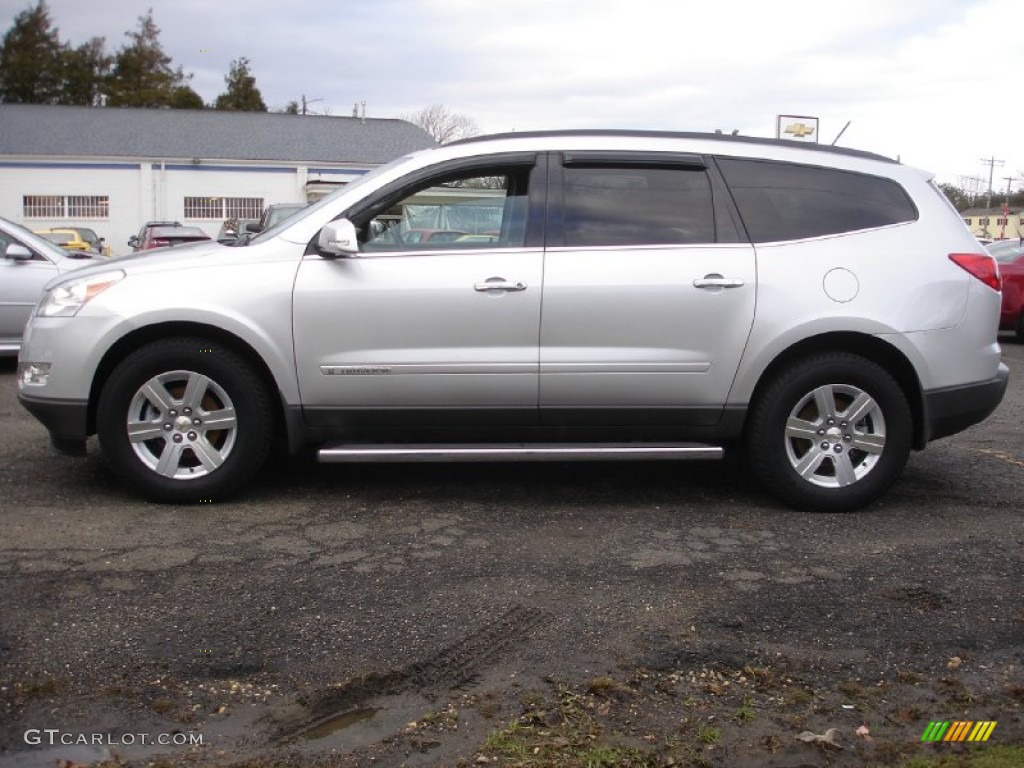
(1009, 181)
(1006, 208)
(305, 103)
(991, 162)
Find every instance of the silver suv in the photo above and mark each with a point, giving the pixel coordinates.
(616, 295)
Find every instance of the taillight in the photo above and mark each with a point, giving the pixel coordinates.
(981, 266)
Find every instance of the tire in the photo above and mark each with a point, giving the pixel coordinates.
(802, 449)
(185, 420)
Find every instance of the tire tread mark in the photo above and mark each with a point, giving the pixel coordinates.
(452, 667)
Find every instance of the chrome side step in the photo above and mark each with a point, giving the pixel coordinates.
(518, 452)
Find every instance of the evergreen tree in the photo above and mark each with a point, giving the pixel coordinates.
(242, 94)
(85, 70)
(30, 59)
(185, 97)
(142, 75)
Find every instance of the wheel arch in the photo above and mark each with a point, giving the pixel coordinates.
(283, 427)
(869, 347)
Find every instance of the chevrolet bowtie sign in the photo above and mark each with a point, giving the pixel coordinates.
(796, 128)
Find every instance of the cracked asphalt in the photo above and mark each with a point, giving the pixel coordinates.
(401, 615)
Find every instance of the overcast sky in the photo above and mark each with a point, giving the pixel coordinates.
(937, 83)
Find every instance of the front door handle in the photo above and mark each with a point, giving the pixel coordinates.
(498, 284)
(717, 281)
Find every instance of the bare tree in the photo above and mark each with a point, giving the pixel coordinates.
(443, 124)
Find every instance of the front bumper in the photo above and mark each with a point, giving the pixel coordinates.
(66, 420)
(954, 409)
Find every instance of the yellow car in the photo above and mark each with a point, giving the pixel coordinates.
(68, 239)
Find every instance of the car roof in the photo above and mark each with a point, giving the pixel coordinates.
(58, 230)
(178, 231)
(724, 139)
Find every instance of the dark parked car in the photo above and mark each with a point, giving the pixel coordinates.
(164, 237)
(1010, 255)
(273, 215)
(232, 229)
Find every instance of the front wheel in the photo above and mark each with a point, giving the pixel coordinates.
(830, 433)
(185, 420)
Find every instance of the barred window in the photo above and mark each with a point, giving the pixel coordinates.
(43, 206)
(223, 207)
(66, 206)
(88, 207)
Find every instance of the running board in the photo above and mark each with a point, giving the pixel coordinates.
(518, 452)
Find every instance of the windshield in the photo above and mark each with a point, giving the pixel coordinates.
(33, 240)
(325, 202)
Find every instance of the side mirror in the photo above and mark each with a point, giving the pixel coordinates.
(133, 241)
(338, 238)
(18, 252)
(250, 228)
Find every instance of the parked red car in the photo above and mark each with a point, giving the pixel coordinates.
(162, 237)
(1010, 255)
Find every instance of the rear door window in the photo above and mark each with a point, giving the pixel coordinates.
(786, 201)
(625, 205)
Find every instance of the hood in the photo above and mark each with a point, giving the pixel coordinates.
(155, 260)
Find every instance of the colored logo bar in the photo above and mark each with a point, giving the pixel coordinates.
(958, 730)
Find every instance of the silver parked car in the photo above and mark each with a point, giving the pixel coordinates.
(635, 295)
(27, 263)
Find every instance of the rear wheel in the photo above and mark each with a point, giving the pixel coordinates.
(830, 433)
(185, 420)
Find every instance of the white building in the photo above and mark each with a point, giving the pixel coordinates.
(113, 169)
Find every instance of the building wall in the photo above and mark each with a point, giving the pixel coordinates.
(144, 191)
(994, 224)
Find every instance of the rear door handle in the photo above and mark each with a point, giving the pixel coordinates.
(498, 284)
(717, 281)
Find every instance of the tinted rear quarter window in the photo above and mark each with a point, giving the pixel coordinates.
(787, 201)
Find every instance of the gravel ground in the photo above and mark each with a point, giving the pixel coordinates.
(442, 615)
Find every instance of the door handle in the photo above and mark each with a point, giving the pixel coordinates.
(717, 281)
(498, 284)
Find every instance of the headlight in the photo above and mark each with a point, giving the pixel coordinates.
(66, 299)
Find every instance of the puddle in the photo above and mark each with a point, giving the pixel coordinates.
(337, 723)
(378, 719)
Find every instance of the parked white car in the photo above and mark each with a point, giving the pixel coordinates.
(637, 295)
